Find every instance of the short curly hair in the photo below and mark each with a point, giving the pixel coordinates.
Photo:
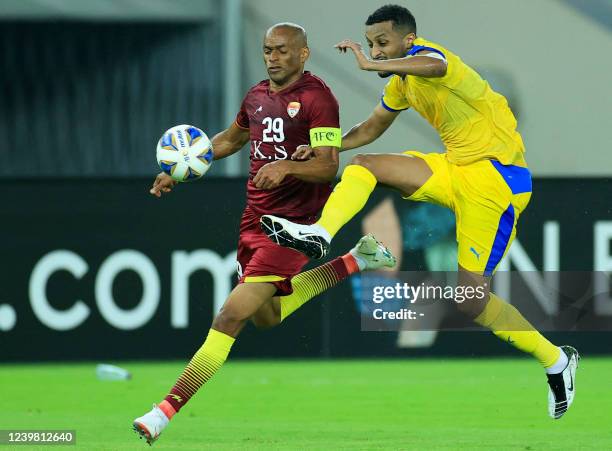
(401, 17)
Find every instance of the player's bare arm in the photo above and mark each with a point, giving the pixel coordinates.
(369, 130)
(229, 141)
(359, 135)
(321, 168)
(224, 144)
(418, 65)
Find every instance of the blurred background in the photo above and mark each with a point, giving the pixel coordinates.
(93, 267)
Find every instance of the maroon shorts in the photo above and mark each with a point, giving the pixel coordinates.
(262, 260)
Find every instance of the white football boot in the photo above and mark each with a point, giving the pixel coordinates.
(151, 424)
(371, 254)
(562, 386)
(310, 240)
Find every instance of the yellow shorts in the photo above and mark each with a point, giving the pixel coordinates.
(487, 198)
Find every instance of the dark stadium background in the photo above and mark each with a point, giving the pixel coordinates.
(96, 219)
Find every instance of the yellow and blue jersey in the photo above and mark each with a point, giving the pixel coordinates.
(482, 176)
(474, 122)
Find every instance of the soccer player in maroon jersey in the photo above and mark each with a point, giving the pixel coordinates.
(291, 108)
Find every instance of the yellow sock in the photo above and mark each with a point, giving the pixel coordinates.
(348, 198)
(507, 323)
(203, 365)
(311, 283)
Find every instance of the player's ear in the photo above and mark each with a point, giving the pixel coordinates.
(304, 54)
(409, 40)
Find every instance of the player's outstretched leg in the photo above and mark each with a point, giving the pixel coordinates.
(560, 363)
(203, 365)
(402, 172)
(243, 302)
(367, 255)
(509, 325)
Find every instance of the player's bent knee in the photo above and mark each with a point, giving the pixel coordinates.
(265, 323)
(471, 308)
(228, 321)
(358, 159)
(266, 319)
(366, 161)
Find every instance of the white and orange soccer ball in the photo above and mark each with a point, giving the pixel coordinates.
(184, 152)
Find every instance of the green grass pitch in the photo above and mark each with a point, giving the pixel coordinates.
(318, 405)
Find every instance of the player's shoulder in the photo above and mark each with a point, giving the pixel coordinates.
(423, 42)
(312, 82)
(259, 88)
(315, 88)
(423, 45)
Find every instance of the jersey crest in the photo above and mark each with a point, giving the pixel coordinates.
(293, 109)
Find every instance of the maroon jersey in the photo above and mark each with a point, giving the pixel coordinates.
(279, 122)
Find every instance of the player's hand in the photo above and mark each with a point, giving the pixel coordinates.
(271, 175)
(303, 152)
(362, 60)
(163, 184)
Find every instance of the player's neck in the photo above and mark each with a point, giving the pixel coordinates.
(274, 87)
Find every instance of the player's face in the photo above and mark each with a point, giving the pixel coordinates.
(386, 42)
(284, 56)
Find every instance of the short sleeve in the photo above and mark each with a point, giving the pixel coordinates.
(393, 99)
(242, 118)
(323, 109)
(324, 119)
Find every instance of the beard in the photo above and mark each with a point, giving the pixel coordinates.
(277, 77)
(383, 74)
(282, 77)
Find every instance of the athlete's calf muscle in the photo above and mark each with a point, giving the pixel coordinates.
(243, 302)
(402, 172)
(479, 284)
(269, 315)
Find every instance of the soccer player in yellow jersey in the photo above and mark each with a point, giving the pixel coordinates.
(482, 176)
